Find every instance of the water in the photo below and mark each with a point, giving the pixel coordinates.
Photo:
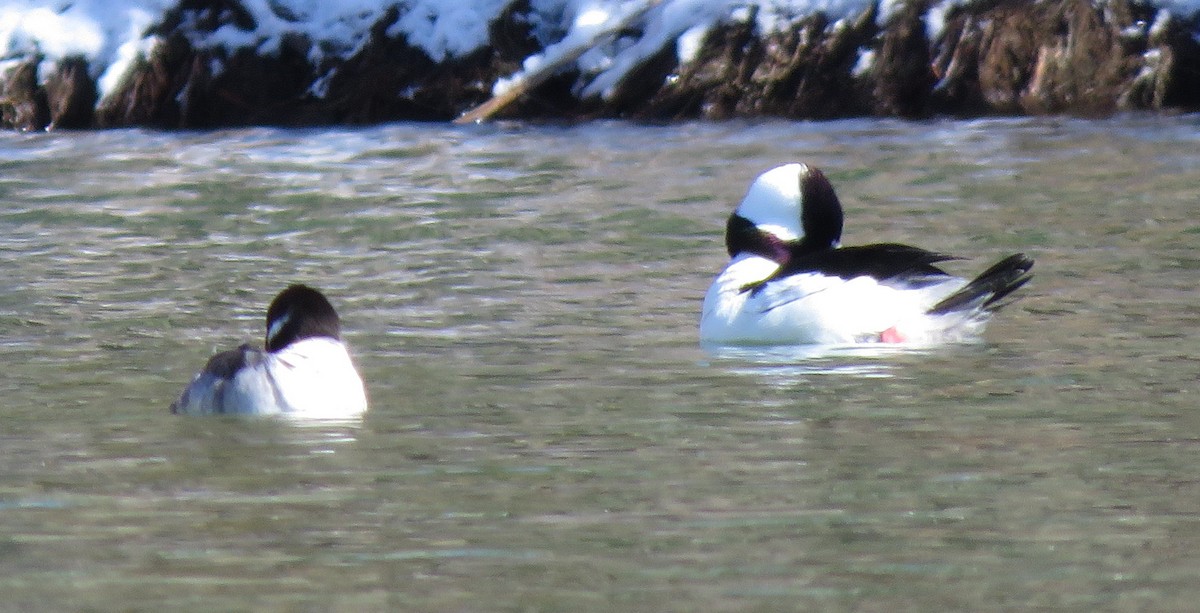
(546, 434)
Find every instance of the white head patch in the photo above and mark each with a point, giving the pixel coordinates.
(276, 326)
(773, 203)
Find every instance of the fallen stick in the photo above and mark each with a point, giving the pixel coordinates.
(523, 84)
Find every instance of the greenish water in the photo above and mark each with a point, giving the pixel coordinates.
(545, 432)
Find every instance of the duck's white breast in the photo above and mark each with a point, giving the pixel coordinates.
(310, 378)
(316, 378)
(812, 308)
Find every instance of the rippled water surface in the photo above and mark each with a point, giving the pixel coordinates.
(545, 432)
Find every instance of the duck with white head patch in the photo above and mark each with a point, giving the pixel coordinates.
(304, 371)
(789, 282)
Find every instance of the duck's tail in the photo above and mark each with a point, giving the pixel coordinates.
(986, 293)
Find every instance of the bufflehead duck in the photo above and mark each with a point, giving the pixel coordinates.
(305, 370)
(789, 282)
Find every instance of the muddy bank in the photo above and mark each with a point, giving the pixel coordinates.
(1004, 57)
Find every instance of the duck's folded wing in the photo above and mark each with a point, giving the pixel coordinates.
(208, 391)
(880, 261)
(890, 264)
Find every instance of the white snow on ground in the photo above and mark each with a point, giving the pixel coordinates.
(112, 33)
(108, 34)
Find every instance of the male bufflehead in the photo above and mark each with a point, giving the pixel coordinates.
(790, 283)
(305, 370)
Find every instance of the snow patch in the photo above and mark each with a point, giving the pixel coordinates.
(111, 35)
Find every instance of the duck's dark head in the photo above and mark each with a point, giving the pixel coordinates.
(788, 211)
(297, 313)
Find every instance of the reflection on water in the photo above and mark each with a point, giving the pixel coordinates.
(786, 364)
(546, 432)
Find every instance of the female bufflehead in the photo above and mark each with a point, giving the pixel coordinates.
(789, 282)
(305, 370)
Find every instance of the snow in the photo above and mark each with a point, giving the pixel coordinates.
(666, 24)
(111, 34)
(106, 33)
(444, 29)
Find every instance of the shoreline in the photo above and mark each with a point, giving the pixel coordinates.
(989, 59)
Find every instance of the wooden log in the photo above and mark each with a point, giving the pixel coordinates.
(524, 84)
